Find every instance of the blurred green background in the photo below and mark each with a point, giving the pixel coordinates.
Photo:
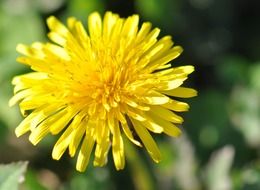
(220, 146)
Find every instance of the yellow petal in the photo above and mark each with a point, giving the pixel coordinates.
(39, 133)
(81, 33)
(119, 115)
(166, 43)
(134, 113)
(116, 32)
(155, 98)
(130, 26)
(165, 114)
(20, 96)
(61, 122)
(118, 148)
(71, 22)
(79, 124)
(148, 141)
(165, 58)
(76, 138)
(24, 126)
(171, 84)
(95, 25)
(150, 39)
(168, 127)
(153, 51)
(58, 51)
(176, 106)
(56, 26)
(85, 150)
(149, 124)
(166, 66)
(101, 130)
(33, 103)
(103, 143)
(177, 71)
(184, 69)
(108, 24)
(30, 120)
(101, 153)
(133, 104)
(129, 134)
(57, 38)
(29, 77)
(181, 92)
(29, 51)
(62, 144)
(145, 29)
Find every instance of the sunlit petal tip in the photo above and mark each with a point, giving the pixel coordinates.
(56, 155)
(21, 59)
(184, 108)
(178, 49)
(19, 131)
(20, 47)
(11, 102)
(156, 156)
(80, 166)
(174, 132)
(71, 19)
(187, 68)
(33, 139)
(94, 14)
(195, 92)
(120, 167)
(23, 49)
(178, 134)
(157, 160)
(51, 21)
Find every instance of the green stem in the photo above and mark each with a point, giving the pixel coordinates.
(140, 173)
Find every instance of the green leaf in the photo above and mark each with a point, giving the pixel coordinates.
(244, 107)
(157, 11)
(11, 175)
(251, 176)
(214, 125)
(185, 166)
(10, 117)
(18, 26)
(245, 113)
(98, 179)
(254, 72)
(82, 8)
(32, 181)
(232, 70)
(217, 172)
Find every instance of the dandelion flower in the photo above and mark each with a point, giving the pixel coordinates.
(95, 87)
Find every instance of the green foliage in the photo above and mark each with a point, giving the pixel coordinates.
(158, 10)
(11, 175)
(81, 9)
(31, 182)
(245, 106)
(96, 179)
(217, 173)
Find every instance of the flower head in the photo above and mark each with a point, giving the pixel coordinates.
(93, 87)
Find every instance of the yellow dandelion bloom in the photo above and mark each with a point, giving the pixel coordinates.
(92, 87)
